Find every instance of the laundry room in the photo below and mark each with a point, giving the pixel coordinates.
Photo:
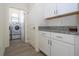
(16, 24)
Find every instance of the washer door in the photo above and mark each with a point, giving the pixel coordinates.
(17, 27)
(16, 31)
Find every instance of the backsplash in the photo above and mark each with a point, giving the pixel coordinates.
(59, 28)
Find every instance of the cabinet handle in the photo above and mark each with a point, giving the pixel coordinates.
(56, 11)
(59, 36)
(51, 43)
(43, 33)
(48, 41)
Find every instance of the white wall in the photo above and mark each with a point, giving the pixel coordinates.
(63, 21)
(22, 25)
(2, 28)
(22, 6)
(35, 19)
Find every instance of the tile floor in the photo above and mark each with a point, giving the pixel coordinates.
(19, 48)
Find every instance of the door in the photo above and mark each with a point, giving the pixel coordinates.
(61, 49)
(64, 8)
(50, 9)
(44, 44)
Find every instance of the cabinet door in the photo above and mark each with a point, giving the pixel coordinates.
(63, 8)
(44, 45)
(49, 9)
(62, 49)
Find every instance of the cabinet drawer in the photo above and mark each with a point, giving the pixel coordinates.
(63, 37)
(46, 34)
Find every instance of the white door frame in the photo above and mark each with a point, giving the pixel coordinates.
(24, 22)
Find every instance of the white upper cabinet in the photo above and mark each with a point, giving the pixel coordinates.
(56, 9)
(49, 10)
(64, 8)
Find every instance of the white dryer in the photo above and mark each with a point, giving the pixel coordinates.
(16, 30)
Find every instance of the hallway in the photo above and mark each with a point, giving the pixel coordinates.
(19, 48)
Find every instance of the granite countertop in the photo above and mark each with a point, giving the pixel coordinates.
(63, 30)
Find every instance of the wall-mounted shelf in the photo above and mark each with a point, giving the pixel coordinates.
(63, 15)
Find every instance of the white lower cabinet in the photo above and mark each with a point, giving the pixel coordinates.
(44, 43)
(57, 45)
(61, 49)
(44, 46)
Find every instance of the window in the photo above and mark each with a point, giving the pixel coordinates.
(14, 17)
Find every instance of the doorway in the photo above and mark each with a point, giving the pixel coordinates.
(16, 24)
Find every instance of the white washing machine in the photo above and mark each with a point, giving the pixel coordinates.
(15, 31)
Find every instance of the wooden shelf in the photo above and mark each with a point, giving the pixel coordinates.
(63, 15)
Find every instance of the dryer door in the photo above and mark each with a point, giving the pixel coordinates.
(16, 29)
